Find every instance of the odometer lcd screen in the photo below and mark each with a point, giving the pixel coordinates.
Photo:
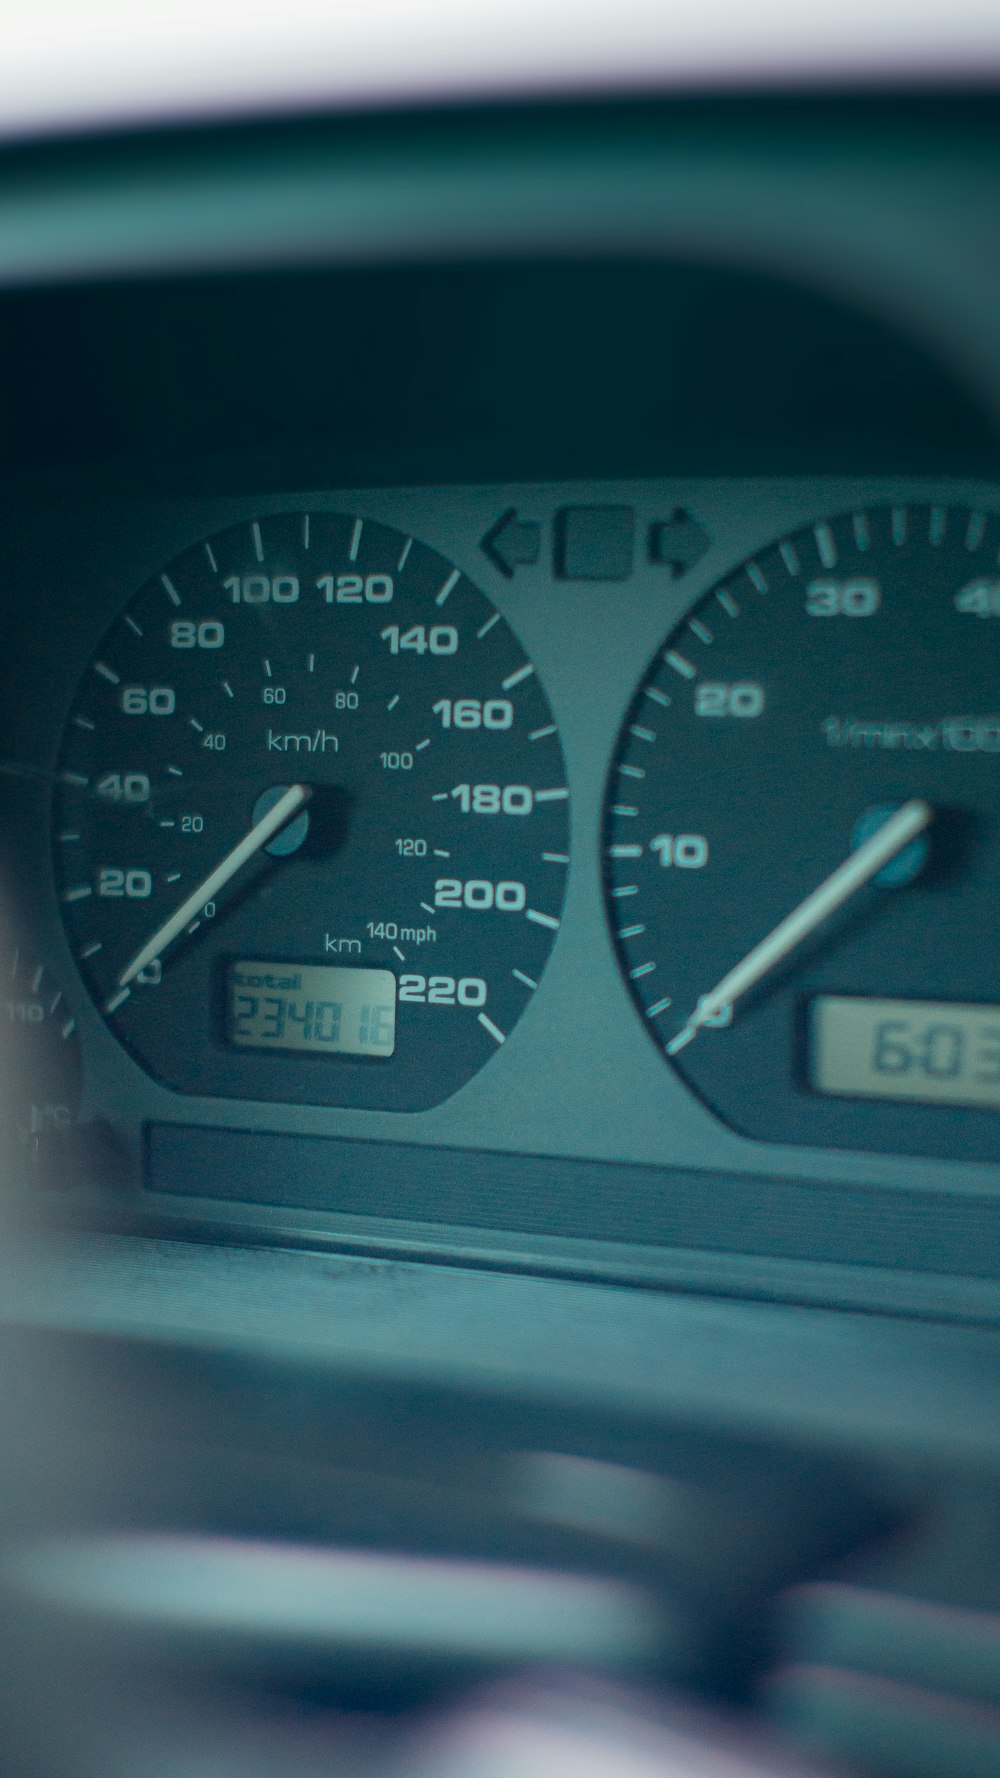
(326, 1011)
(936, 1052)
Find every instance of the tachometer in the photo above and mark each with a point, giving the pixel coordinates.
(311, 819)
(802, 837)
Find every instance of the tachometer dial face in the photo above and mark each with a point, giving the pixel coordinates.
(311, 820)
(802, 837)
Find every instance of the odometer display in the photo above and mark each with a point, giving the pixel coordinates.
(330, 1012)
(802, 836)
(312, 739)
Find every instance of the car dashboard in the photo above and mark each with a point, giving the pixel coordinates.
(498, 748)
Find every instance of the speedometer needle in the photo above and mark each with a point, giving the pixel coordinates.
(262, 831)
(845, 881)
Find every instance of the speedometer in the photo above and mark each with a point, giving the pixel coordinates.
(311, 819)
(802, 837)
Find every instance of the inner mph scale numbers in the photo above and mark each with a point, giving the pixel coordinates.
(312, 744)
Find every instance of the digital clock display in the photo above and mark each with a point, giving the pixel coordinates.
(935, 1052)
(326, 1011)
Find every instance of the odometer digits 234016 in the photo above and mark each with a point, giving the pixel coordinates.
(311, 752)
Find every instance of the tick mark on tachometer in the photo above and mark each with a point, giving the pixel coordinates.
(352, 553)
(484, 629)
(449, 587)
(401, 564)
(494, 1030)
(520, 976)
(826, 546)
(169, 588)
(258, 542)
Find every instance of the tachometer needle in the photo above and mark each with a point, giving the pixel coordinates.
(262, 831)
(845, 881)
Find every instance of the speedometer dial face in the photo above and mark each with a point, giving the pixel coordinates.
(802, 837)
(311, 819)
